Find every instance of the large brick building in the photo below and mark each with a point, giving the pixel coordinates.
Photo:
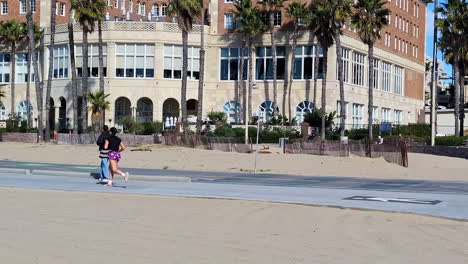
(143, 64)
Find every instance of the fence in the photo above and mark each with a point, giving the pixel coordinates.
(211, 143)
(395, 151)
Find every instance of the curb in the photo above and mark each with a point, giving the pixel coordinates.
(93, 175)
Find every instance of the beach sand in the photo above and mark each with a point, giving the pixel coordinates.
(421, 166)
(48, 227)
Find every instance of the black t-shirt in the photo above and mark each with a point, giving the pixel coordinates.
(102, 139)
(114, 143)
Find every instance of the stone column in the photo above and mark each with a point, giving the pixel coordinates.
(57, 117)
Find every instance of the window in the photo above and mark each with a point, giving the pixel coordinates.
(230, 63)
(22, 109)
(264, 63)
(61, 62)
(134, 61)
(173, 62)
(63, 9)
(4, 68)
(277, 19)
(375, 84)
(122, 5)
(304, 63)
(345, 60)
(116, 3)
(143, 9)
(4, 8)
(397, 117)
(3, 113)
(163, 10)
(358, 69)
(22, 69)
(338, 113)
(232, 109)
(396, 21)
(138, 8)
(375, 114)
(398, 79)
(228, 1)
(386, 76)
(302, 109)
(93, 60)
(228, 21)
(155, 10)
(357, 116)
(385, 115)
(265, 110)
(22, 6)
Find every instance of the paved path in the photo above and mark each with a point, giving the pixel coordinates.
(446, 205)
(266, 179)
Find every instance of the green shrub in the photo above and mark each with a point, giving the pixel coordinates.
(450, 141)
(419, 130)
(224, 131)
(217, 117)
(357, 134)
(314, 118)
(151, 128)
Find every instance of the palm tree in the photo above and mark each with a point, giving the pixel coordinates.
(87, 12)
(298, 13)
(202, 67)
(51, 69)
(37, 33)
(101, 16)
(12, 32)
(250, 23)
(341, 12)
(453, 28)
(272, 7)
(324, 16)
(185, 11)
(74, 86)
(98, 104)
(369, 19)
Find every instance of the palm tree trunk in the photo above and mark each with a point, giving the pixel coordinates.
(101, 70)
(370, 107)
(74, 88)
(51, 68)
(273, 53)
(293, 68)
(28, 86)
(457, 93)
(462, 99)
(316, 70)
(249, 100)
(201, 79)
(13, 76)
(241, 82)
(37, 76)
(324, 91)
(339, 53)
(84, 88)
(183, 96)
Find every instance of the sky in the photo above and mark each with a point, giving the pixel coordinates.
(430, 37)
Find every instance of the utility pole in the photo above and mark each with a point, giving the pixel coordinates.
(434, 79)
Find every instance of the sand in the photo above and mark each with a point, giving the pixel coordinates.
(38, 226)
(421, 166)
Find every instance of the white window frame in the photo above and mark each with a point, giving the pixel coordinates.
(63, 9)
(376, 74)
(146, 55)
(163, 10)
(93, 52)
(358, 116)
(21, 68)
(397, 117)
(358, 69)
(375, 114)
(116, 3)
(386, 118)
(5, 68)
(303, 57)
(193, 55)
(4, 8)
(398, 80)
(386, 76)
(61, 57)
(228, 21)
(277, 19)
(230, 58)
(265, 59)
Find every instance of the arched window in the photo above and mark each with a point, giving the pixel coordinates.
(155, 10)
(143, 9)
(122, 109)
(302, 109)
(163, 10)
(138, 9)
(22, 109)
(144, 110)
(233, 112)
(131, 6)
(3, 113)
(265, 110)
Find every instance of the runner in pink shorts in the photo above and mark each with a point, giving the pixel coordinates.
(115, 145)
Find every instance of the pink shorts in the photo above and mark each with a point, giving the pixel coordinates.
(113, 155)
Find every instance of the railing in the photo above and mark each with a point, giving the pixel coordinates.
(128, 26)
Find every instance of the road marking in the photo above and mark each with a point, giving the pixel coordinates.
(393, 200)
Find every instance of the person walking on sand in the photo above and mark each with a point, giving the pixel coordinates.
(103, 154)
(115, 145)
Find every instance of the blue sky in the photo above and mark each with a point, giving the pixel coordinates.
(430, 37)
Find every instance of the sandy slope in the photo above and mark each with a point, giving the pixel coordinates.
(71, 227)
(421, 166)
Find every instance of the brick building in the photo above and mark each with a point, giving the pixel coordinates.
(143, 64)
